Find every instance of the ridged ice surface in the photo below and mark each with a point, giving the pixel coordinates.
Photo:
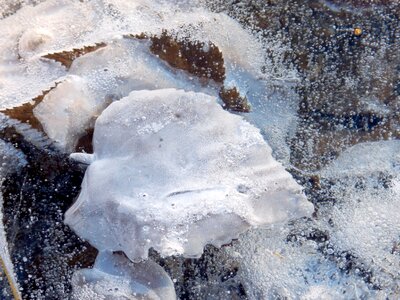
(174, 171)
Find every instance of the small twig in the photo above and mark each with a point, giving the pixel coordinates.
(10, 280)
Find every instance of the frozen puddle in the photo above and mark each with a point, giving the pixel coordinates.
(172, 114)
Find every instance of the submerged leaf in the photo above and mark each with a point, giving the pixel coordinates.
(24, 113)
(66, 58)
(233, 100)
(204, 60)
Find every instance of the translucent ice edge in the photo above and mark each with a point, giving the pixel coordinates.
(114, 276)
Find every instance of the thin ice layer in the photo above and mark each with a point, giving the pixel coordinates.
(366, 217)
(282, 270)
(364, 159)
(330, 257)
(174, 171)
